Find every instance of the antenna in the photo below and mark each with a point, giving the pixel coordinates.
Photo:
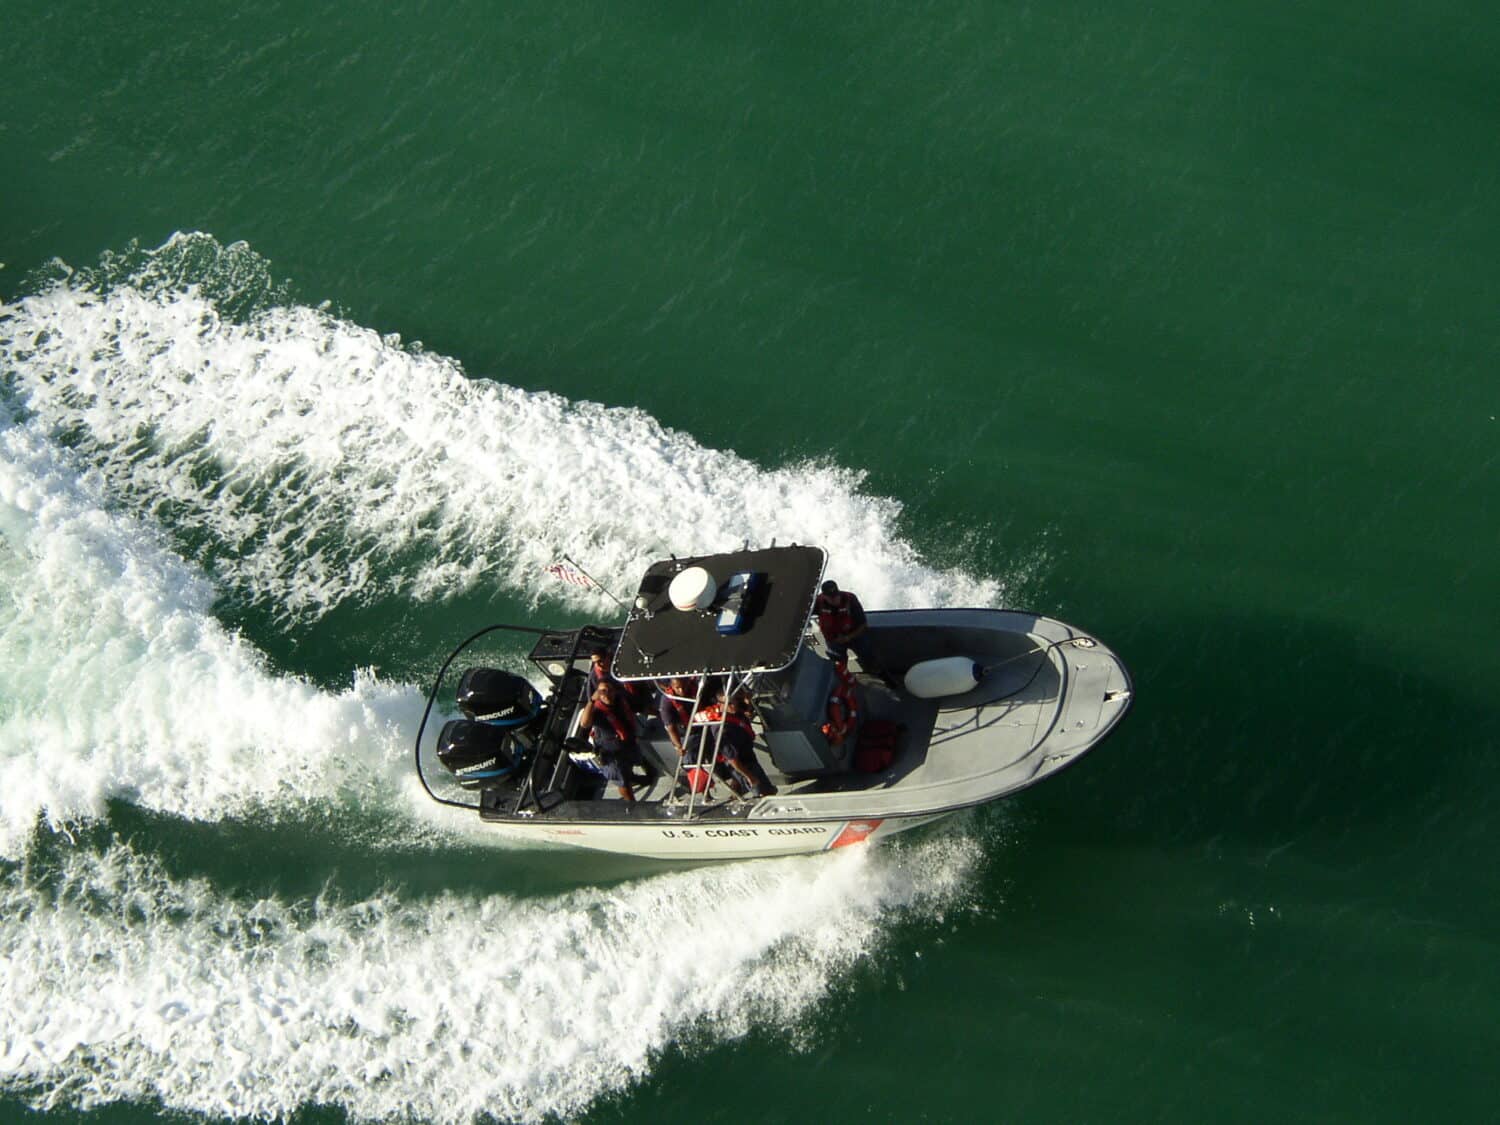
(597, 585)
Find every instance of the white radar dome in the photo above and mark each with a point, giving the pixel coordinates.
(693, 589)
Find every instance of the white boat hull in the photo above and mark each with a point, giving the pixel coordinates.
(1035, 694)
(699, 840)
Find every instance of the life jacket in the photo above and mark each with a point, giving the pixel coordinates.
(682, 708)
(877, 745)
(633, 691)
(843, 707)
(624, 727)
(835, 615)
(736, 724)
(714, 712)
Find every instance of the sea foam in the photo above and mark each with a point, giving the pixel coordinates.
(120, 982)
(120, 683)
(308, 460)
(167, 439)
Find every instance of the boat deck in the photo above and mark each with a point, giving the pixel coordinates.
(1046, 695)
(932, 748)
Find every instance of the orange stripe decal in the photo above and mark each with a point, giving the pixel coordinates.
(854, 832)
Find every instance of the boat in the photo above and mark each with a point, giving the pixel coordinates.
(956, 708)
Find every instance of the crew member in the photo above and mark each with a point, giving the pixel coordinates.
(636, 697)
(674, 707)
(611, 727)
(737, 747)
(598, 668)
(841, 620)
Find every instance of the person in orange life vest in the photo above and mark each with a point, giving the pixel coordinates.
(738, 745)
(611, 726)
(841, 620)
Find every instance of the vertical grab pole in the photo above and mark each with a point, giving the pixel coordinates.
(687, 734)
(698, 730)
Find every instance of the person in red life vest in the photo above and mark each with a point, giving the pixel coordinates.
(698, 747)
(737, 744)
(841, 620)
(611, 727)
(735, 765)
(843, 708)
(675, 709)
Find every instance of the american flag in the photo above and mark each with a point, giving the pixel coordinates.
(567, 572)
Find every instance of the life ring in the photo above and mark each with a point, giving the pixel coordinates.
(843, 708)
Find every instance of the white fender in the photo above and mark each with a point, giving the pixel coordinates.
(949, 675)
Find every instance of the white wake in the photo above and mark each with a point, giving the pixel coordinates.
(322, 461)
(161, 447)
(118, 982)
(120, 683)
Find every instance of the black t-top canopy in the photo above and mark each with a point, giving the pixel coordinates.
(660, 640)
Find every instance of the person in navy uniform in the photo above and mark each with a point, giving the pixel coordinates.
(841, 620)
(674, 706)
(635, 696)
(611, 725)
(738, 745)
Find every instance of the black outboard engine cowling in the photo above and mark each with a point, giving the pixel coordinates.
(489, 695)
(477, 754)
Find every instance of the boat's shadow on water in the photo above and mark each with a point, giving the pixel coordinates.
(1262, 733)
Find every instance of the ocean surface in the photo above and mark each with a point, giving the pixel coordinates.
(325, 327)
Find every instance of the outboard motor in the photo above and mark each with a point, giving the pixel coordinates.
(477, 753)
(498, 735)
(488, 695)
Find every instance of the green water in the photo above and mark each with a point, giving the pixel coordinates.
(1180, 322)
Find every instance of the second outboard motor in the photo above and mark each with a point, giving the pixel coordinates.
(488, 695)
(476, 753)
